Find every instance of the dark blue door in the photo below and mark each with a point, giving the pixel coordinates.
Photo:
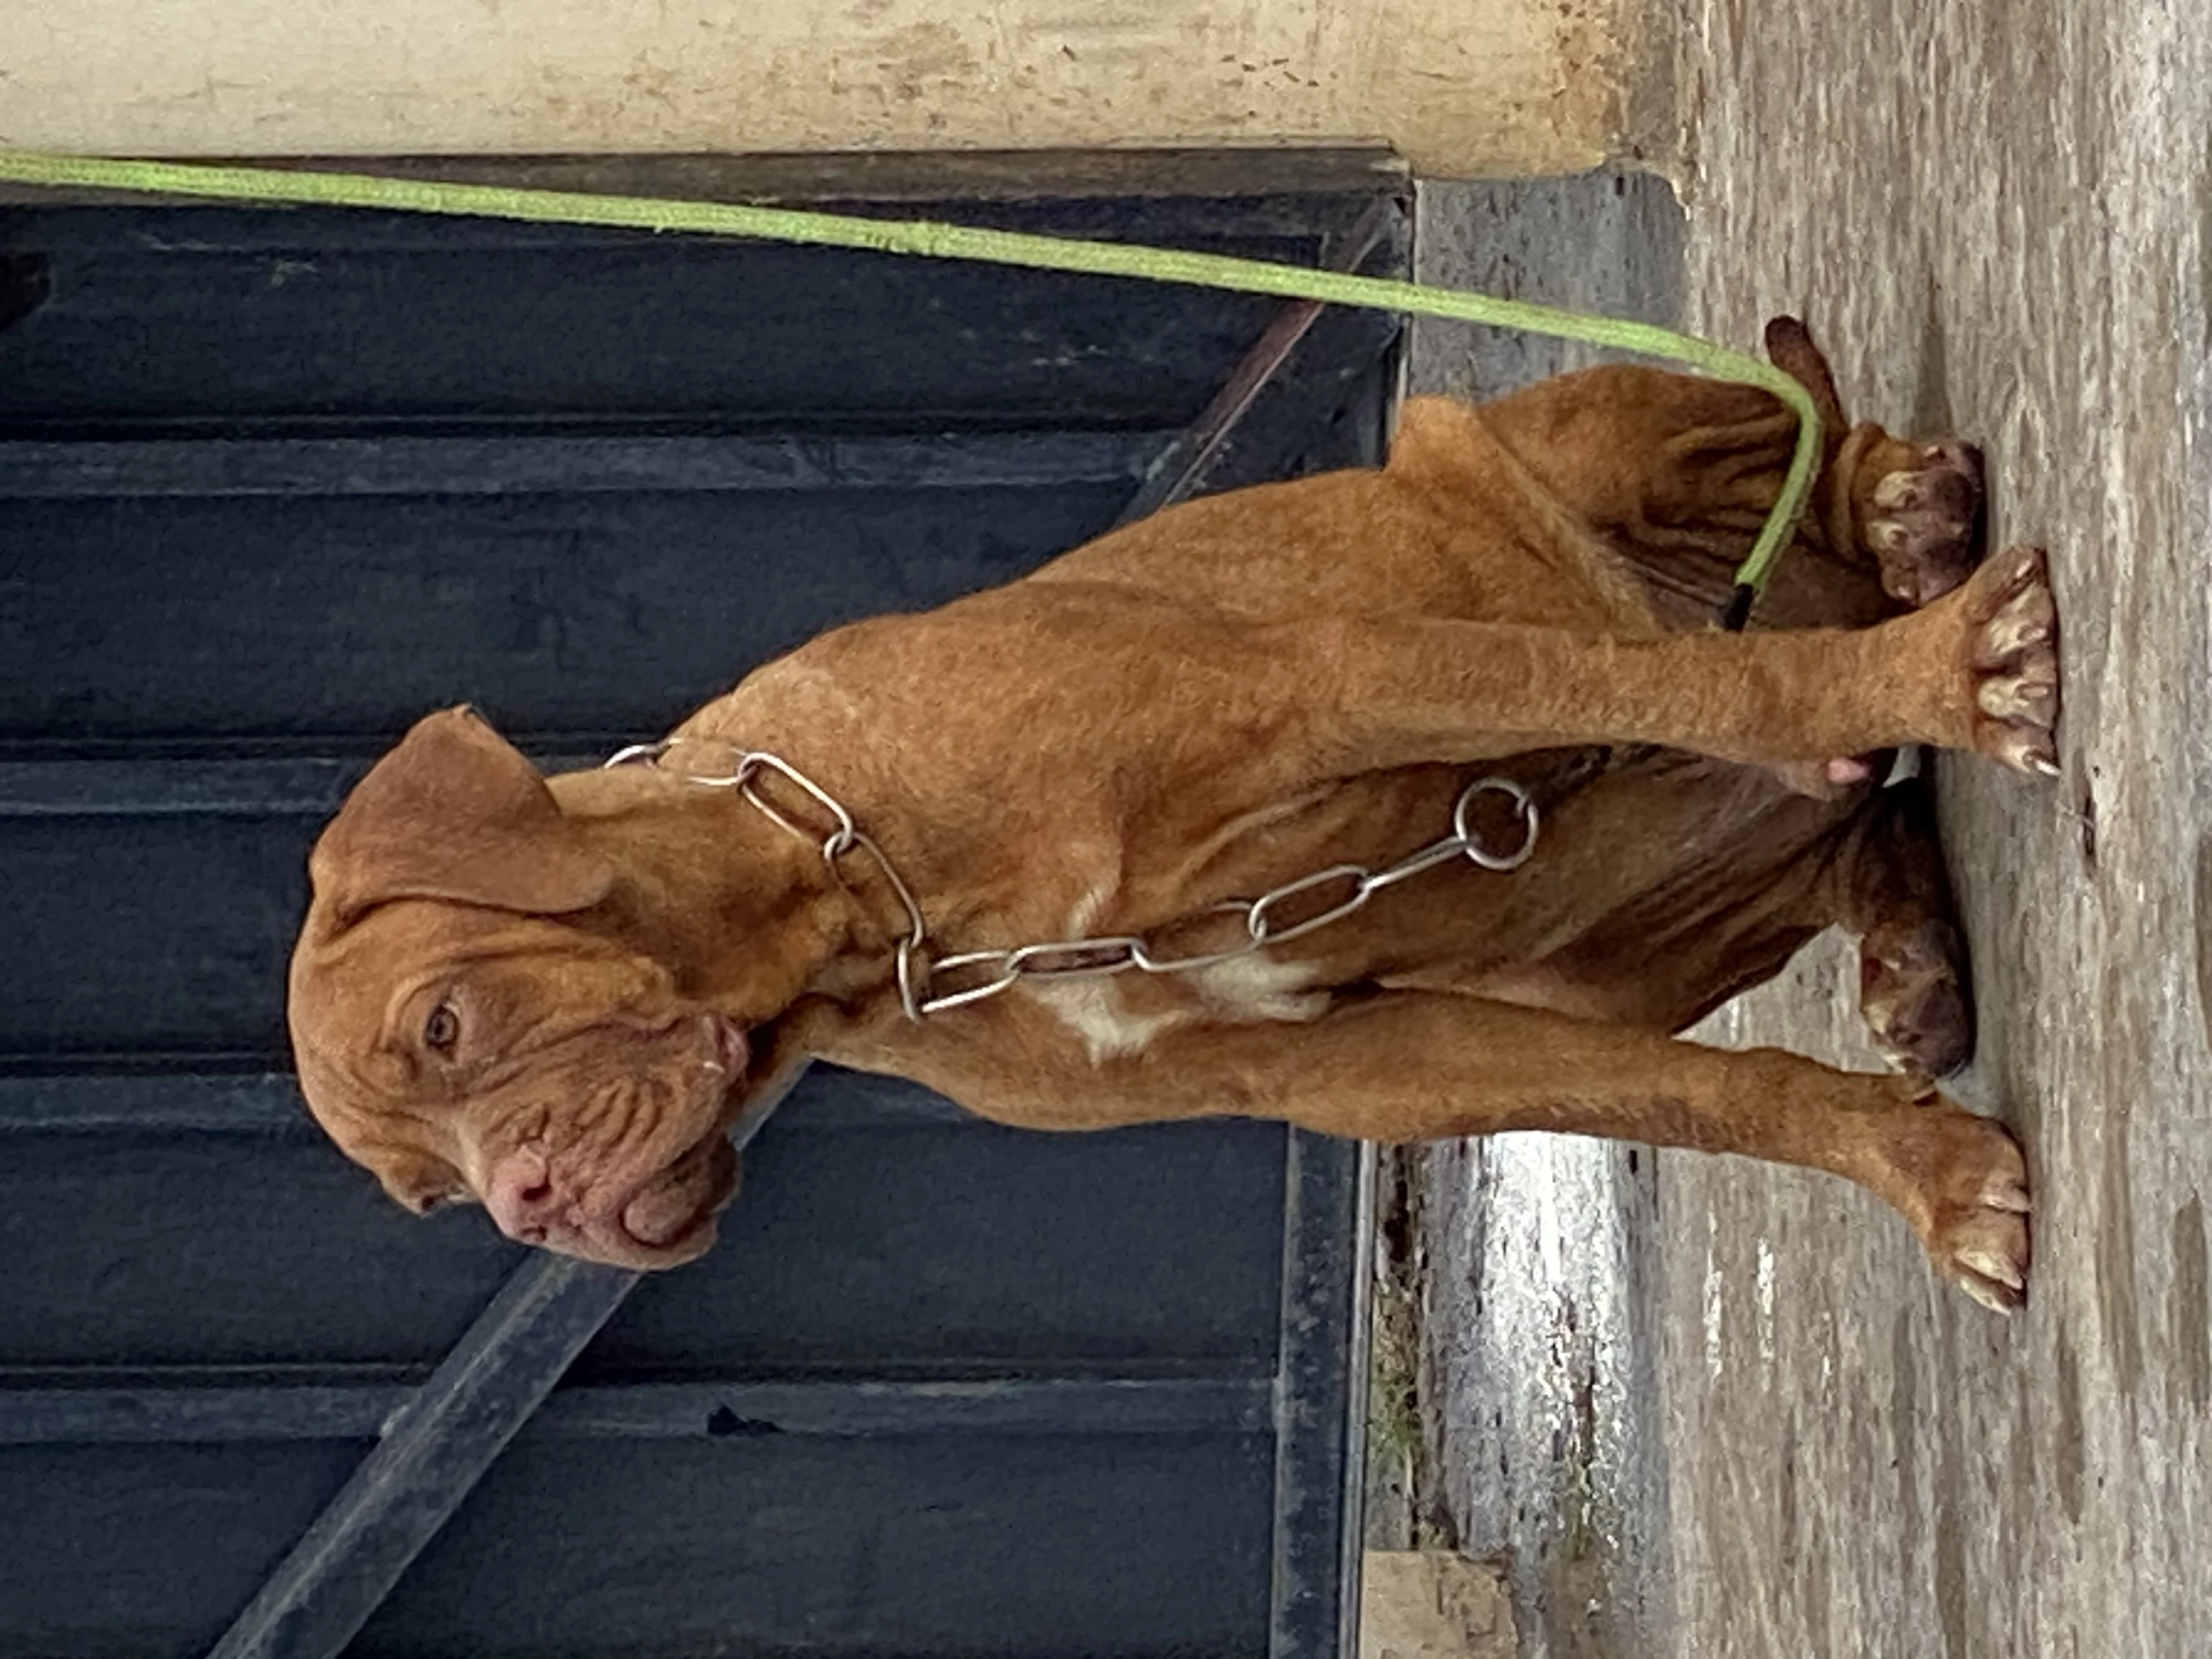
(273, 483)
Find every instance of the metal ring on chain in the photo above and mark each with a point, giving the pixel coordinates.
(1523, 802)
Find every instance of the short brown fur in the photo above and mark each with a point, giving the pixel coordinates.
(554, 995)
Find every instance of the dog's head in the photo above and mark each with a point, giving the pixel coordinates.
(468, 1024)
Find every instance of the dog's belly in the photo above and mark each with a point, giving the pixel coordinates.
(1650, 891)
(1655, 898)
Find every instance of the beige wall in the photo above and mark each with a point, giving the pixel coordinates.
(1459, 87)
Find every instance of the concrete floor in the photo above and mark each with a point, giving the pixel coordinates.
(1997, 217)
(1769, 1430)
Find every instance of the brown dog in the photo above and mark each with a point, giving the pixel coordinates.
(556, 995)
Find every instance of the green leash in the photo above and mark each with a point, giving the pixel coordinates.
(943, 241)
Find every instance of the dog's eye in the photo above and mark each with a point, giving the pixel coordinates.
(442, 1029)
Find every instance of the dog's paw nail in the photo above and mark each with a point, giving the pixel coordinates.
(2031, 696)
(1895, 490)
(1991, 1296)
(2023, 748)
(1991, 1265)
(2024, 623)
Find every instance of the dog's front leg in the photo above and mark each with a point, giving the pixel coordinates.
(1412, 1065)
(1976, 670)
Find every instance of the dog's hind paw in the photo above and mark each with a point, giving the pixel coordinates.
(1923, 522)
(1913, 998)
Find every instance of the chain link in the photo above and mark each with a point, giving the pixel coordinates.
(1264, 918)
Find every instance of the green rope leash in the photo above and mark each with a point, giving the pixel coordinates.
(944, 241)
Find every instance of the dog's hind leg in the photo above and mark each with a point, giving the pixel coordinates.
(1678, 473)
(1892, 890)
(1868, 861)
(1891, 525)
(1876, 870)
(1910, 511)
(1912, 515)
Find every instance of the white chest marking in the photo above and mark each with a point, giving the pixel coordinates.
(1097, 1010)
(1249, 991)
(1257, 990)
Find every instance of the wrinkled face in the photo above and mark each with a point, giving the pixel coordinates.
(461, 1054)
(467, 1028)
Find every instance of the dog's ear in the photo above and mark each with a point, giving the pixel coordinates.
(455, 813)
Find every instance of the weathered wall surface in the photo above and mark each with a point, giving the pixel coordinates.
(1461, 87)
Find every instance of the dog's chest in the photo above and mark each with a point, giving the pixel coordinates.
(1119, 1016)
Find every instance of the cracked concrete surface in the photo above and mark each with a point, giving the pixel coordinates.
(2010, 238)
(1999, 222)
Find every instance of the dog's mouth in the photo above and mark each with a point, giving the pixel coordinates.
(647, 1216)
(673, 1216)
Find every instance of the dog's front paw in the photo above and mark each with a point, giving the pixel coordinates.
(1971, 1204)
(2010, 646)
(1923, 522)
(1984, 1252)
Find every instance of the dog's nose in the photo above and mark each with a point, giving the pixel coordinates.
(521, 1196)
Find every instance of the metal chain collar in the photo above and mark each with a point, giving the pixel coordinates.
(1268, 919)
